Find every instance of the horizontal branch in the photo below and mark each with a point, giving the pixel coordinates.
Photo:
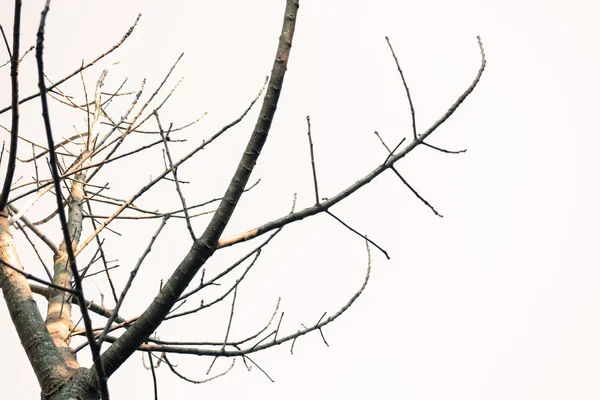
(265, 345)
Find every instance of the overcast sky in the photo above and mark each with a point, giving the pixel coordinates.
(498, 299)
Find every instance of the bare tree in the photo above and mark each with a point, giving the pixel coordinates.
(65, 185)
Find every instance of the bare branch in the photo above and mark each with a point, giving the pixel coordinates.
(165, 138)
(101, 376)
(359, 234)
(204, 305)
(128, 203)
(185, 378)
(256, 251)
(14, 83)
(13, 210)
(102, 256)
(312, 162)
(132, 276)
(412, 109)
(416, 193)
(390, 161)
(35, 278)
(275, 342)
(444, 150)
(36, 251)
(96, 308)
(83, 67)
(205, 246)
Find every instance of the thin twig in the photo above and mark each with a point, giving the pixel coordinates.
(132, 276)
(444, 150)
(154, 382)
(13, 210)
(230, 317)
(243, 352)
(14, 83)
(312, 162)
(165, 139)
(39, 280)
(172, 367)
(83, 67)
(102, 256)
(416, 193)
(359, 234)
(35, 249)
(412, 109)
(218, 299)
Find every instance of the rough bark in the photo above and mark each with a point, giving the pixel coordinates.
(82, 386)
(46, 361)
(58, 320)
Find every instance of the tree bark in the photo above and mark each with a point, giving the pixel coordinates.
(58, 319)
(49, 366)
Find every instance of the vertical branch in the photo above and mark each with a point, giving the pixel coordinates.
(132, 275)
(102, 255)
(412, 109)
(14, 128)
(230, 318)
(68, 244)
(165, 139)
(312, 162)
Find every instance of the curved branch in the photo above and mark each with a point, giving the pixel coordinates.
(258, 347)
(387, 164)
(204, 247)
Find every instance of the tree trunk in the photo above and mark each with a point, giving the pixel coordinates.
(80, 387)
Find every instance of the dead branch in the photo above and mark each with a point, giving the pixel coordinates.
(390, 161)
(82, 68)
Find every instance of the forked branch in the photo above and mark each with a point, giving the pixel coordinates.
(387, 164)
(204, 247)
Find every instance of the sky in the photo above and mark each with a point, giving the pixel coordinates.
(497, 299)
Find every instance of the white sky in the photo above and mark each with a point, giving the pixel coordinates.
(496, 300)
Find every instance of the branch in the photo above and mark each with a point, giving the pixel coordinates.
(389, 162)
(132, 276)
(359, 234)
(204, 247)
(34, 229)
(165, 139)
(185, 378)
(83, 67)
(412, 109)
(101, 376)
(96, 308)
(35, 278)
(45, 359)
(416, 193)
(144, 189)
(312, 162)
(275, 342)
(14, 84)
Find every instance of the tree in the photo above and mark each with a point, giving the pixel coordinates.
(74, 163)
